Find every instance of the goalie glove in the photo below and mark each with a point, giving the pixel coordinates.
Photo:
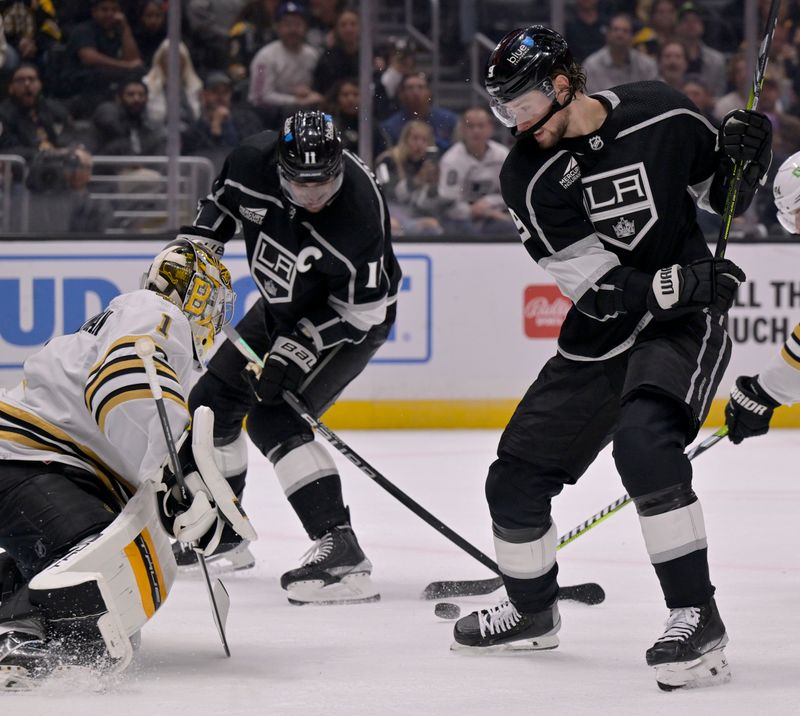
(210, 502)
(197, 523)
(678, 290)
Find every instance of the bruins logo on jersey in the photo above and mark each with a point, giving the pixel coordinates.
(620, 205)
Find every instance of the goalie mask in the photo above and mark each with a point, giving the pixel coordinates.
(310, 160)
(519, 76)
(786, 190)
(197, 283)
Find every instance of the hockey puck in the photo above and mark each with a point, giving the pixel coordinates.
(446, 610)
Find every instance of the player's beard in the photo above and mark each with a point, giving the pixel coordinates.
(551, 133)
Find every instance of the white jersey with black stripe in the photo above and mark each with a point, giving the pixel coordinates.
(84, 399)
(781, 378)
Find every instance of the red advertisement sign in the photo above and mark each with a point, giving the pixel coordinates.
(544, 310)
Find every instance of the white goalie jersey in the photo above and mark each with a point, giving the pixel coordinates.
(85, 400)
(781, 378)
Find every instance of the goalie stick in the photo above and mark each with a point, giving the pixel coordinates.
(479, 587)
(217, 594)
(589, 593)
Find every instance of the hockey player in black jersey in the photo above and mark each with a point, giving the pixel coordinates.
(602, 189)
(317, 235)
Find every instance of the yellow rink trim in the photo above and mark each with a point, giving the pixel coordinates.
(434, 414)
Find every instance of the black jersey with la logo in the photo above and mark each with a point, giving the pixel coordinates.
(624, 197)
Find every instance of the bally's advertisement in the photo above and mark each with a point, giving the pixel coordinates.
(475, 322)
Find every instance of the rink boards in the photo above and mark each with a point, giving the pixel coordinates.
(475, 322)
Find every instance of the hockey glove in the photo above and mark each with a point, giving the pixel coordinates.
(749, 410)
(289, 361)
(210, 502)
(746, 136)
(678, 290)
(195, 520)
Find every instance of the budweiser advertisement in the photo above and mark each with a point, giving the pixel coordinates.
(545, 309)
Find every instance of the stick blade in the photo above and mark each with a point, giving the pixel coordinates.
(589, 593)
(220, 606)
(461, 588)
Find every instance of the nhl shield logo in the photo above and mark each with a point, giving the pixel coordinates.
(595, 143)
(620, 205)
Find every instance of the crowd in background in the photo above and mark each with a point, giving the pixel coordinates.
(88, 77)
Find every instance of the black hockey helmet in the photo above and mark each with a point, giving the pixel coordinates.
(309, 152)
(526, 60)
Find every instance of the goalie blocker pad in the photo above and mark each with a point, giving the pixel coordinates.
(113, 583)
(203, 452)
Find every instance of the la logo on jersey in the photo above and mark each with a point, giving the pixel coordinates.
(620, 204)
(275, 268)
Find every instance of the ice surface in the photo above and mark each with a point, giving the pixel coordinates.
(393, 657)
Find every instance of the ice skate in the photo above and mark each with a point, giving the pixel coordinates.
(503, 628)
(690, 653)
(24, 661)
(230, 557)
(334, 571)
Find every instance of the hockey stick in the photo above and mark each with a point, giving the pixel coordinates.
(752, 103)
(589, 593)
(217, 594)
(477, 587)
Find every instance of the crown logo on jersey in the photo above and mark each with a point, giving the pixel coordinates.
(624, 228)
(596, 142)
(271, 288)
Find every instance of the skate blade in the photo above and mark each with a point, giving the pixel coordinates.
(351, 589)
(711, 669)
(234, 561)
(540, 643)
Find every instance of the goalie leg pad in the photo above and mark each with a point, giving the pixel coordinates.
(118, 578)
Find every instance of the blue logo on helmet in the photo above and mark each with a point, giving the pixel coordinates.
(528, 41)
(288, 137)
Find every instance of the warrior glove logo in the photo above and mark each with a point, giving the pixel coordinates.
(748, 404)
(620, 205)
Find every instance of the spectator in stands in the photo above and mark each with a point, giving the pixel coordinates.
(740, 80)
(784, 66)
(156, 81)
(254, 28)
(617, 63)
(341, 60)
(322, 22)
(150, 29)
(123, 127)
(400, 60)
(585, 27)
(414, 97)
(785, 127)
(221, 125)
(409, 175)
(60, 199)
(31, 28)
(30, 123)
(209, 24)
(281, 72)
(697, 91)
(660, 28)
(469, 179)
(8, 57)
(342, 102)
(103, 54)
(703, 60)
(672, 64)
